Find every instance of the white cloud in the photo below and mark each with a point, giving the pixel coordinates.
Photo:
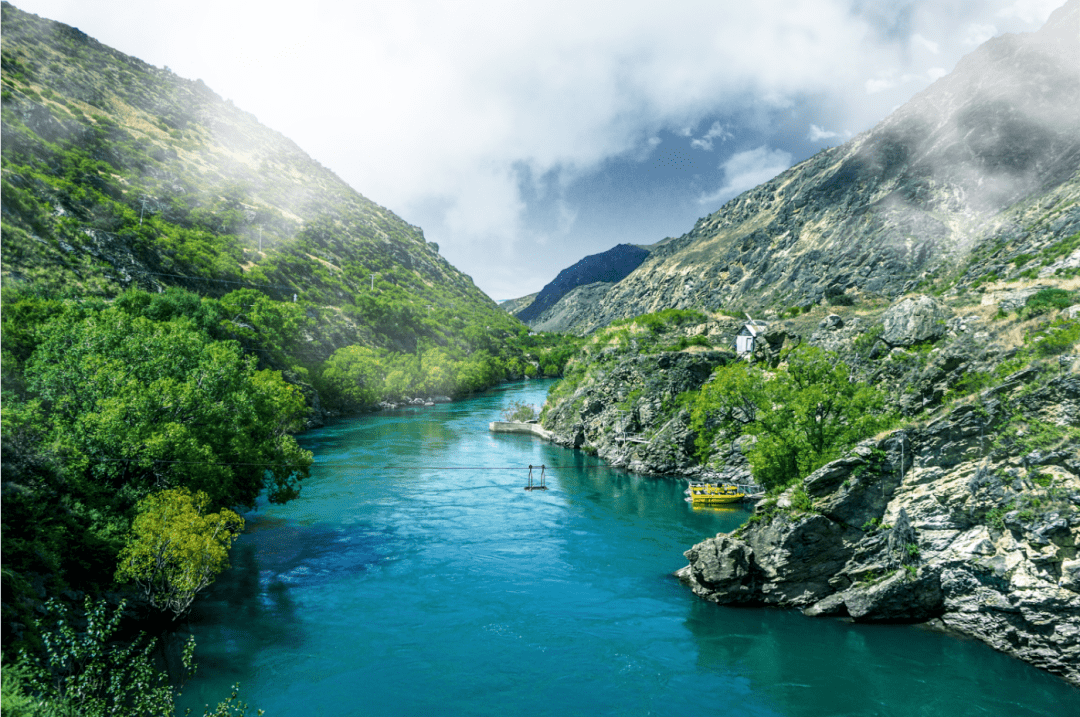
(746, 170)
(890, 80)
(819, 133)
(1033, 12)
(926, 44)
(429, 107)
(717, 131)
(880, 84)
(978, 33)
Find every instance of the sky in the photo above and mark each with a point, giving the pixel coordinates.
(523, 136)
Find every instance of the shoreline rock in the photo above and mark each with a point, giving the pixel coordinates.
(926, 525)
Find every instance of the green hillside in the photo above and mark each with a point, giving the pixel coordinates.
(184, 289)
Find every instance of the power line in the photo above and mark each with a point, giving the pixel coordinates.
(220, 281)
(356, 465)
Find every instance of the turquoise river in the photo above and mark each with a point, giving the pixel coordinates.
(415, 576)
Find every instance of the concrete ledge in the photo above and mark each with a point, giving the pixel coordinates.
(533, 429)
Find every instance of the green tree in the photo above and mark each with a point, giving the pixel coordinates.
(803, 416)
(176, 548)
(132, 405)
(353, 377)
(519, 412)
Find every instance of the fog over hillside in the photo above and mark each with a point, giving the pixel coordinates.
(525, 136)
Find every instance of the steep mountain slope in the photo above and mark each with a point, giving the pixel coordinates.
(512, 306)
(574, 308)
(117, 174)
(183, 289)
(609, 266)
(974, 177)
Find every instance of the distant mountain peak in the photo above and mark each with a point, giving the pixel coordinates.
(609, 266)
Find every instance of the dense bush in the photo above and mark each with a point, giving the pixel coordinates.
(804, 416)
(1049, 299)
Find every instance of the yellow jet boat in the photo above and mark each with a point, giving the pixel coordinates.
(708, 494)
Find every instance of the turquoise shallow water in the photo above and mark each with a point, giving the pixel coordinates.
(395, 586)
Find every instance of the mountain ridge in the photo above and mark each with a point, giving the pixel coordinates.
(170, 152)
(609, 267)
(947, 175)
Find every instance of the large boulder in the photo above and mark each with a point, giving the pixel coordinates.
(913, 321)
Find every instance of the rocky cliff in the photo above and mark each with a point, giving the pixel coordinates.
(975, 177)
(624, 395)
(945, 522)
(627, 411)
(968, 517)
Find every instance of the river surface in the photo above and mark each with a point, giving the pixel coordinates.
(401, 584)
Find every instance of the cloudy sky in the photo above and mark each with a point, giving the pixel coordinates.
(523, 136)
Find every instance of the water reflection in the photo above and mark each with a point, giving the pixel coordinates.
(839, 668)
(252, 607)
(396, 586)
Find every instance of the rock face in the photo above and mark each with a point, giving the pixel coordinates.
(572, 309)
(979, 168)
(625, 411)
(512, 306)
(947, 521)
(914, 320)
(608, 267)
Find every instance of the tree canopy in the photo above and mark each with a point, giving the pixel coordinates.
(176, 548)
(133, 404)
(802, 416)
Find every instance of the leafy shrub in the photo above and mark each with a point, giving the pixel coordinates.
(519, 412)
(1058, 338)
(92, 674)
(800, 501)
(1049, 299)
(685, 342)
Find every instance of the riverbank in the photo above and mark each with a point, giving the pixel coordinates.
(969, 516)
(533, 429)
(415, 562)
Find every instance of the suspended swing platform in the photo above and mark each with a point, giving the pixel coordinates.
(536, 484)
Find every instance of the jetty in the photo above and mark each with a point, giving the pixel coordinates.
(533, 429)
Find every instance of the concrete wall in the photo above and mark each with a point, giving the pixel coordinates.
(513, 427)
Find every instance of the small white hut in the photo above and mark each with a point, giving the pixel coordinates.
(746, 341)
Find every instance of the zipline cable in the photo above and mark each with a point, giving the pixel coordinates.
(356, 465)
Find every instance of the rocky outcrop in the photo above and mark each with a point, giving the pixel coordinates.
(950, 522)
(625, 410)
(913, 321)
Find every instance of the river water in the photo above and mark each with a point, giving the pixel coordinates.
(401, 584)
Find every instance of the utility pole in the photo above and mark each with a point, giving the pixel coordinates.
(373, 282)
